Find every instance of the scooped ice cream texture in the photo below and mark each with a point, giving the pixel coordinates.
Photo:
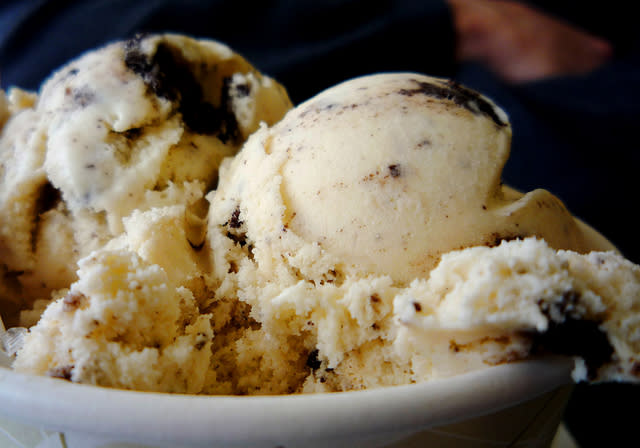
(364, 240)
(134, 127)
(330, 222)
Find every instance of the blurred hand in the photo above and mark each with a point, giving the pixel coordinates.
(520, 44)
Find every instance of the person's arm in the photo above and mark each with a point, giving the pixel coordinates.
(519, 43)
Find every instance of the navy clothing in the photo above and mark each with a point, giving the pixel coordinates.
(306, 45)
(574, 135)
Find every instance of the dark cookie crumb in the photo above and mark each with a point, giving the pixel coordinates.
(83, 96)
(572, 336)
(73, 301)
(197, 247)
(62, 372)
(417, 306)
(240, 239)
(312, 360)
(460, 95)
(235, 222)
(132, 134)
(199, 345)
(48, 198)
(394, 170)
(168, 75)
(223, 117)
(553, 311)
(242, 90)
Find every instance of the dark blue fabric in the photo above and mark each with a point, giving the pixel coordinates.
(576, 136)
(307, 45)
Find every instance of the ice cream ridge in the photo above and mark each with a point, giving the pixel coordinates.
(362, 239)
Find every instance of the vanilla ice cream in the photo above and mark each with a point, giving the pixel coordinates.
(135, 126)
(386, 173)
(328, 223)
(363, 240)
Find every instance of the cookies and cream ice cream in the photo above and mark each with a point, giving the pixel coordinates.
(132, 127)
(386, 173)
(331, 222)
(363, 240)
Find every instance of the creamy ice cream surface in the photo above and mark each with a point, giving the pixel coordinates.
(386, 173)
(330, 222)
(134, 126)
(363, 240)
(136, 329)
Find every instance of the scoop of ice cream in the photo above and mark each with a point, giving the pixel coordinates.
(123, 324)
(131, 126)
(152, 111)
(364, 240)
(329, 220)
(582, 305)
(386, 173)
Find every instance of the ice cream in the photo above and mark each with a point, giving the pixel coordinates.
(135, 126)
(363, 240)
(387, 173)
(329, 223)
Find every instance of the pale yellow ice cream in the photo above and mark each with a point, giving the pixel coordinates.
(134, 126)
(128, 321)
(328, 223)
(564, 302)
(364, 240)
(386, 173)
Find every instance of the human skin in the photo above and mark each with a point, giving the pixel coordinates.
(521, 44)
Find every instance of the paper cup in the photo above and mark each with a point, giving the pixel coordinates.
(519, 404)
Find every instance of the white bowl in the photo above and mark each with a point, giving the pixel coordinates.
(519, 404)
(515, 405)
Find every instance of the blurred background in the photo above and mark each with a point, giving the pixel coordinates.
(567, 73)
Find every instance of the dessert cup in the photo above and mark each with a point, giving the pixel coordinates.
(517, 404)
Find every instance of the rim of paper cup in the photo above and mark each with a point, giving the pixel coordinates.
(159, 417)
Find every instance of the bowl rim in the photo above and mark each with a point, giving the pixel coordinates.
(151, 417)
